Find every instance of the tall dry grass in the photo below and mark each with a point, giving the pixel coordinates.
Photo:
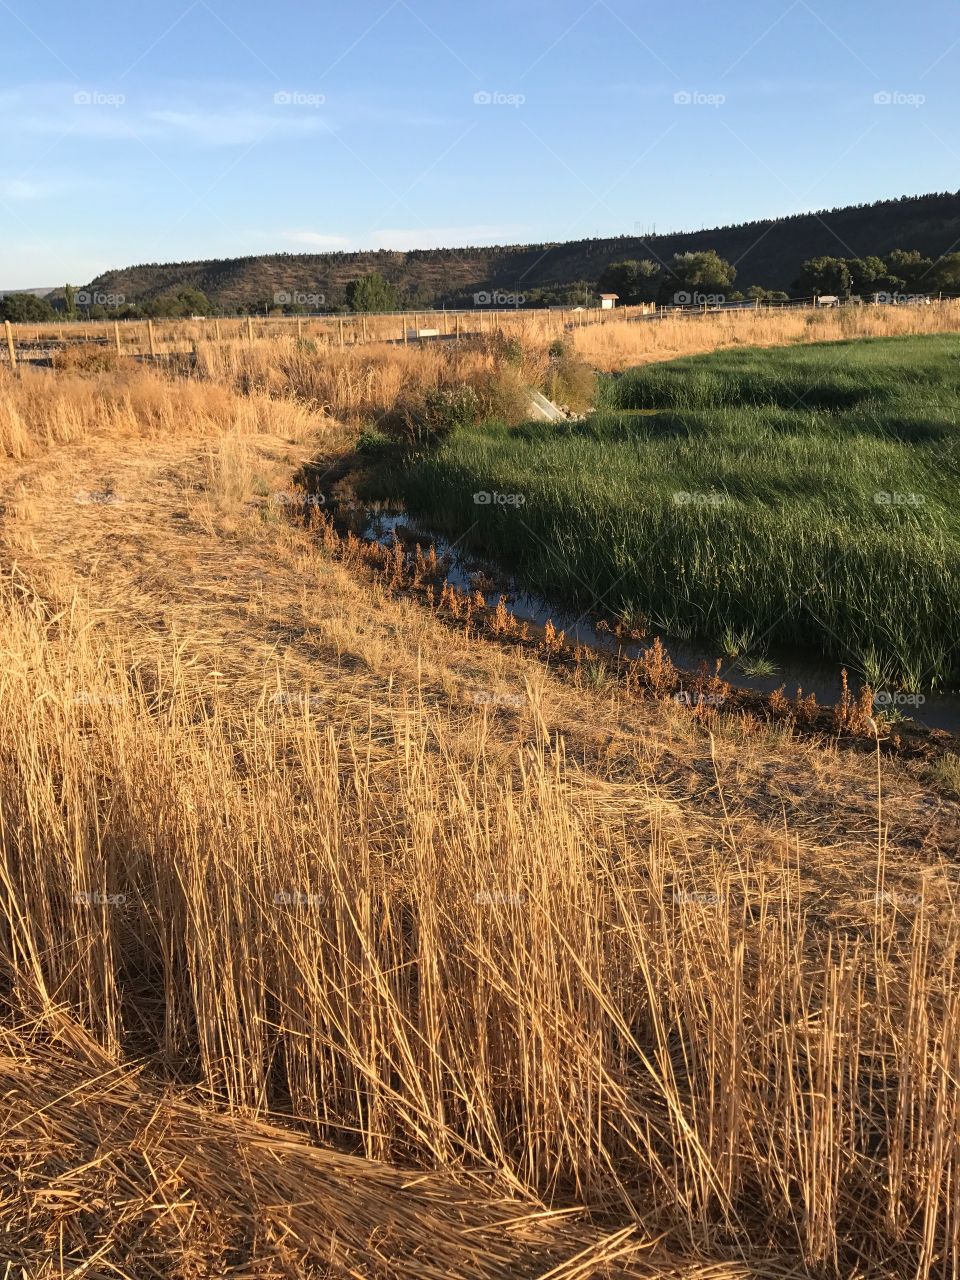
(40, 410)
(337, 331)
(561, 985)
(364, 383)
(619, 344)
(425, 957)
(609, 339)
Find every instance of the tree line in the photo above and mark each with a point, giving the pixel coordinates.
(687, 278)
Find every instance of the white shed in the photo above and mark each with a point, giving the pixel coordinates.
(608, 301)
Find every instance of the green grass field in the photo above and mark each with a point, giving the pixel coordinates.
(807, 496)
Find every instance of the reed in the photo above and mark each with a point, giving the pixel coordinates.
(806, 494)
(432, 959)
(309, 968)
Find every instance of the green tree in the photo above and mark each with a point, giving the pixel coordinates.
(20, 307)
(194, 302)
(634, 280)
(70, 301)
(177, 306)
(702, 272)
(372, 293)
(824, 275)
(910, 266)
(946, 273)
(756, 293)
(867, 275)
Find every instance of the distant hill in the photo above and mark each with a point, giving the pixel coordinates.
(766, 253)
(37, 293)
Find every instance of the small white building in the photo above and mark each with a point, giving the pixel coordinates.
(608, 301)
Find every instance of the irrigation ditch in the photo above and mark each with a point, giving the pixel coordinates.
(480, 599)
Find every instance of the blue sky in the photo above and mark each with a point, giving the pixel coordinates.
(214, 128)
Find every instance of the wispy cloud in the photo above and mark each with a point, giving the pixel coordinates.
(237, 127)
(191, 117)
(20, 189)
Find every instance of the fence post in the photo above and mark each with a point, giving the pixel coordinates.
(11, 346)
(458, 326)
(250, 328)
(299, 329)
(150, 340)
(116, 337)
(363, 323)
(403, 329)
(216, 329)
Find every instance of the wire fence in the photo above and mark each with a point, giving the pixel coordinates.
(146, 339)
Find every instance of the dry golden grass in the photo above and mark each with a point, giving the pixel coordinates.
(258, 836)
(620, 344)
(336, 331)
(609, 340)
(361, 384)
(355, 382)
(39, 412)
(178, 1181)
(365, 381)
